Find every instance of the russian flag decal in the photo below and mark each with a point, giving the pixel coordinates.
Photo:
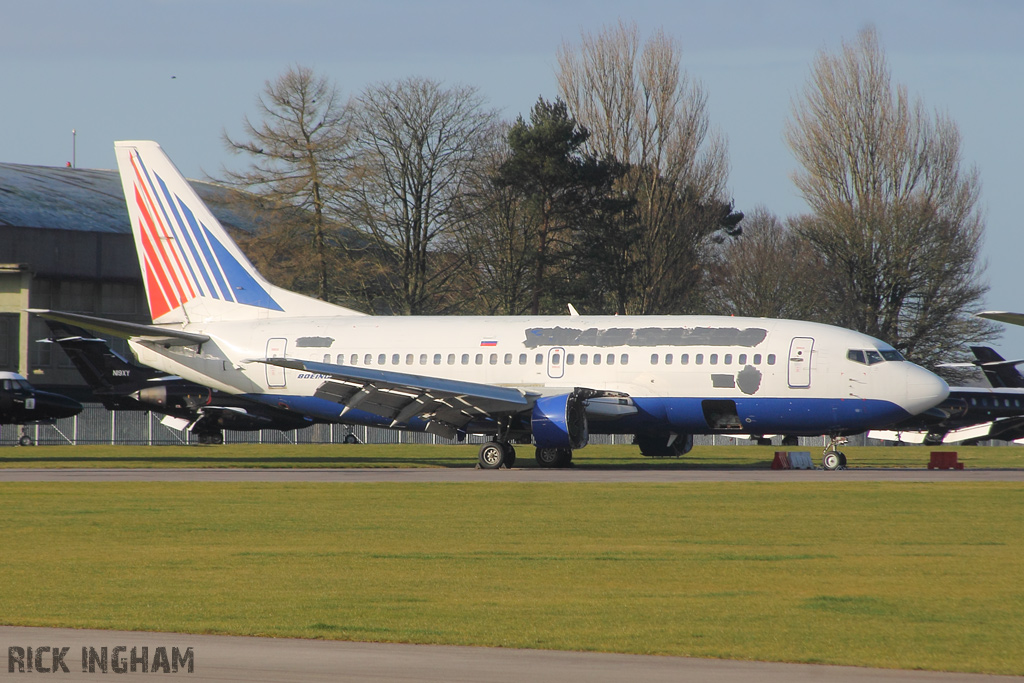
(488, 342)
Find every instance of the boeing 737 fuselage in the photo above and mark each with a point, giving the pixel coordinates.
(549, 380)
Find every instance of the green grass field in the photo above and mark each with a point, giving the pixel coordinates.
(408, 455)
(872, 574)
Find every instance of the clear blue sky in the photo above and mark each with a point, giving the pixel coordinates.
(105, 68)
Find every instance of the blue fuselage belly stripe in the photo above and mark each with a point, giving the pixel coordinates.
(799, 417)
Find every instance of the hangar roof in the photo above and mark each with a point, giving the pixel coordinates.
(90, 200)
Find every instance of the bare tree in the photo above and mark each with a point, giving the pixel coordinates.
(417, 143)
(892, 211)
(770, 272)
(642, 108)
(296, 149)
(501, 239)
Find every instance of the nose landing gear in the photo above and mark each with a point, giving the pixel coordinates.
(833, 458)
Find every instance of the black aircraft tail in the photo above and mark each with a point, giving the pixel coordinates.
(110, 376)
(999, 372)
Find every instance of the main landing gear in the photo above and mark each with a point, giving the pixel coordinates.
(494, 454)
(833, 458)
(554, 457)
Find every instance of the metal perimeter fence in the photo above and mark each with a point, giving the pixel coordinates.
(97, 425)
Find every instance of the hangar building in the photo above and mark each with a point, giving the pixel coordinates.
(66, 244)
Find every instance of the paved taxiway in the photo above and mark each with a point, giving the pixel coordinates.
(465, 475)
(233, 658)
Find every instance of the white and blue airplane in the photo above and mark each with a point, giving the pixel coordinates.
(546, 379)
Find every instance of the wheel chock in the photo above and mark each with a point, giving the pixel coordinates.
(944, 460)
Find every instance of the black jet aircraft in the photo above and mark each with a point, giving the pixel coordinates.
(23, 404)
(971, 414)
(122, 385)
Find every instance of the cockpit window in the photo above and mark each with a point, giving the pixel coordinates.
(872, 356)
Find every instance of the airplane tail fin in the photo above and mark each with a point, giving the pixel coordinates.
(109, 375)
(998, 371)
(191, 268)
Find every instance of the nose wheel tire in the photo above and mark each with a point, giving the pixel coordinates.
(833, 460)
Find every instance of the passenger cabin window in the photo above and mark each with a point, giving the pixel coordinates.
(597, 359)
(714, 359)
(728, 359)
(508, 359)
(479, 359)
(584, 358)
(368, 359)
(699, 359)
(539, 359)
(556, 358)
(668, 359)
(757, 359)
(522, 359)
(437, 359)
(396, 359)
(409, 359)
(771, 359)
(684, 359)
(654, 359)
(624, 359)
(341, 359)
(423, 359)
(742, 359)
(570, 358)
(465, 359)
(493, 360)
(382, 359)
(611, 359)
(354, 359)
(451, 359)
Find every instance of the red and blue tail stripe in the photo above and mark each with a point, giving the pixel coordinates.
(182, 257)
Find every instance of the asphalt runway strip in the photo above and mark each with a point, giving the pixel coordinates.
(234, 658)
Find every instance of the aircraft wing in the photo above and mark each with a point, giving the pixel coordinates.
(448, 405)
(1003, 317)
(125, 330)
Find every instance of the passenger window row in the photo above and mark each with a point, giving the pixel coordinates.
(538, 359)
(712, 359)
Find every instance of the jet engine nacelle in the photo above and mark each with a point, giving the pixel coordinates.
(174, 397)
(560, 422)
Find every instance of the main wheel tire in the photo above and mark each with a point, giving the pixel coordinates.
(510, 455)
(351, 438)
(25, 440)
(842, 460)
(564, 457)
(830, 461)
(547, 457)
(492, 455)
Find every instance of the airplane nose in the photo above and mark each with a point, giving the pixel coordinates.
(57, 406)
(924, 389)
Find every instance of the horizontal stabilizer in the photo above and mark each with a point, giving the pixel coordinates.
(125, 330)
